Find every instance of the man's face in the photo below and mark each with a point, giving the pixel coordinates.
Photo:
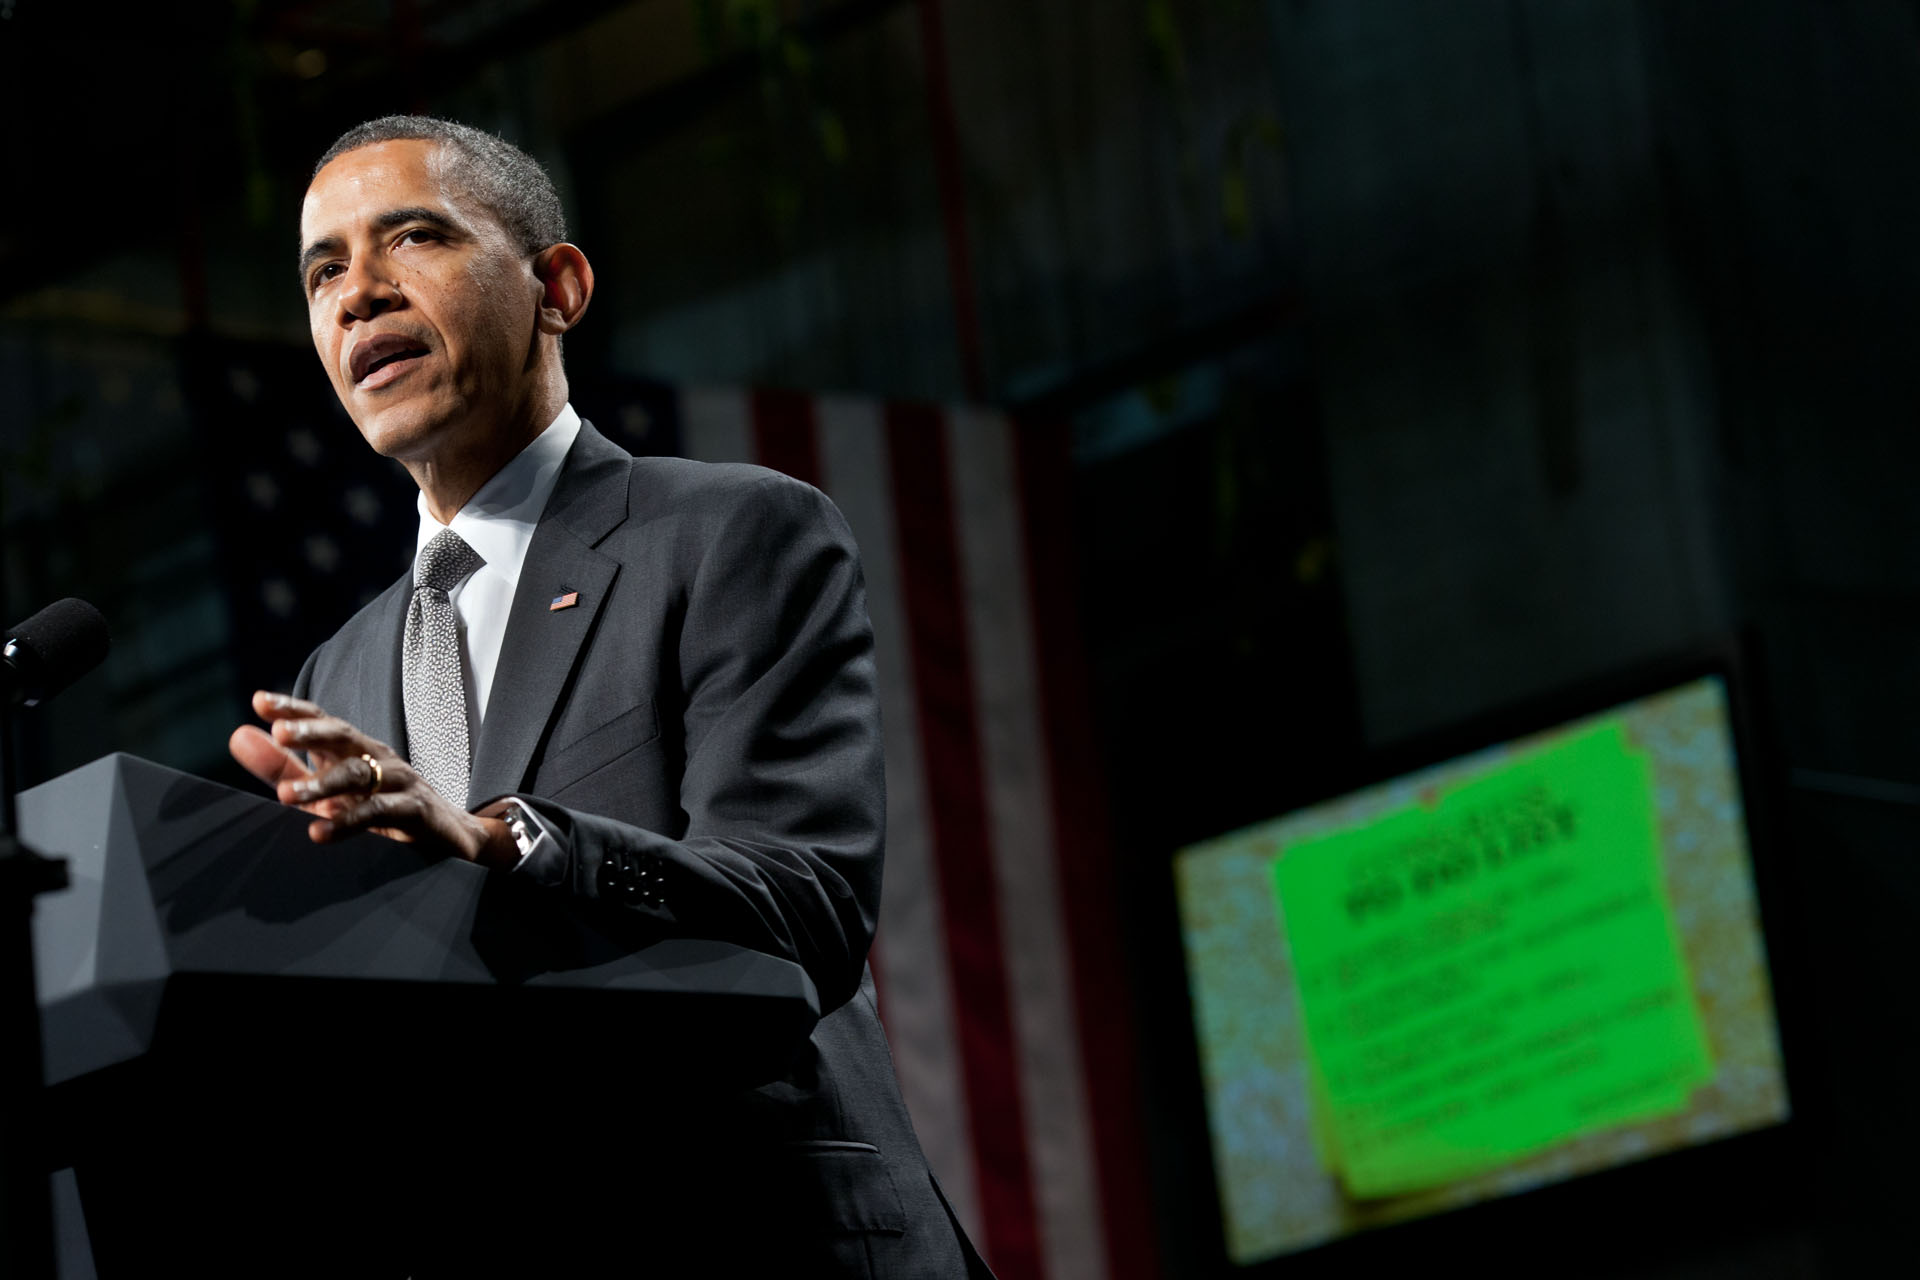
(422, 307)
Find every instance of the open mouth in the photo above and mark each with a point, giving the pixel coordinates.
(387, 368)
(381, 359)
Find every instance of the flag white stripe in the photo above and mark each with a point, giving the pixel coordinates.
(910, 956)
(716, 424)
(1039, 968)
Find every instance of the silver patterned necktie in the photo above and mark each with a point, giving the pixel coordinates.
(435, 695)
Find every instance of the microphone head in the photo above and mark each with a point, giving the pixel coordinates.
(53, 648)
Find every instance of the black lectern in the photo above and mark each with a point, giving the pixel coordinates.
(226, 1006)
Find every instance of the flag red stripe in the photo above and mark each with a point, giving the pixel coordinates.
(932, 594)
(1084, 852)
(785, 435)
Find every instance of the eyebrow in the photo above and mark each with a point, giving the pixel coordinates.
(387, 221)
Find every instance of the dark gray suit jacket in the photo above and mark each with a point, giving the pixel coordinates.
(706, 713)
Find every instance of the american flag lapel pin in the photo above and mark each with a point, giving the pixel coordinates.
(566, 601)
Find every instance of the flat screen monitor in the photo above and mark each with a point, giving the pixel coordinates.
(1501, 970)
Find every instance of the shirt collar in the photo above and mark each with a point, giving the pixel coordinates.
(498, 520)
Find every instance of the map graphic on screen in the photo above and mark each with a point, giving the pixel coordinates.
(1509, 969)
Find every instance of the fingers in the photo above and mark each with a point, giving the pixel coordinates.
(418, 815)
(296, 722)
(396, 814)
(264, 758)
(334, 747)
(339, 788)
(269, 705)
(351, 776)
(326, 734)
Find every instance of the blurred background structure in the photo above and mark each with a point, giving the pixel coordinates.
(1348, 367)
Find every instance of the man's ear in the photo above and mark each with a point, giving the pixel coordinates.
(566, 286)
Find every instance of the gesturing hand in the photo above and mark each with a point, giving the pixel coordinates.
(345, 792)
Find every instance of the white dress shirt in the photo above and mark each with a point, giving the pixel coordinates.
(498, 523)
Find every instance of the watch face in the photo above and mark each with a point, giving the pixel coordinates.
(520, 823)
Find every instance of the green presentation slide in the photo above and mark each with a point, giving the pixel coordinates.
(1491, 969)
(1503, 969)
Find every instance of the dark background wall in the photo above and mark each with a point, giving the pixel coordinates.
(1422, 357)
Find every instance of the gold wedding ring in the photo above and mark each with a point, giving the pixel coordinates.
(378, 777)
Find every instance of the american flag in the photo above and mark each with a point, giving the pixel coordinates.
(311, 524)
(998, 957)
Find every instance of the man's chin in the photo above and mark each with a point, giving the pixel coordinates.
(400, 432)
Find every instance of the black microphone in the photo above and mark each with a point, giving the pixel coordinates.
(50, 650)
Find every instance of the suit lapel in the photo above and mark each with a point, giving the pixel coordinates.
(382, 715)
(542, 645)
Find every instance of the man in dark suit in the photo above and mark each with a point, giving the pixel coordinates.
(642, 689)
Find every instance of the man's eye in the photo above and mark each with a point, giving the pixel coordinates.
(325, 273)
(419, 235)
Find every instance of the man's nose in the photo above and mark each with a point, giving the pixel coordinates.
(367, 291)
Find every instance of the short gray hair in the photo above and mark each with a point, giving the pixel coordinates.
(508, 181)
